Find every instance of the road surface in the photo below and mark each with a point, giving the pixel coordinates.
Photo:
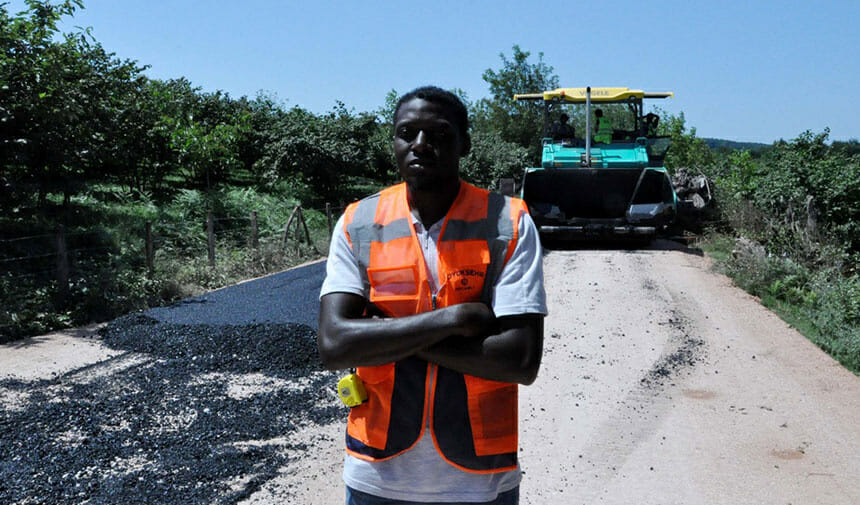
(661, 383)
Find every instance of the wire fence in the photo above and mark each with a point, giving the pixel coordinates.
(43, 274)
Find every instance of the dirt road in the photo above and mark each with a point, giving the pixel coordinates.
(661, 383)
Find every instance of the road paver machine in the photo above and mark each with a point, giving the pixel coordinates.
(614, 188)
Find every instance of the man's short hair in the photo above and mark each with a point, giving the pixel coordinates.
(563, 117)
(445, 98)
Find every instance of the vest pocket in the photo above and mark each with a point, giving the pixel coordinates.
(493, 415)
(369, 421)
(393, 283)
(395, 290)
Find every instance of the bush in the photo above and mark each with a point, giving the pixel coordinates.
(835, 311)
(491, 159)
(780, 278)
(821, 302)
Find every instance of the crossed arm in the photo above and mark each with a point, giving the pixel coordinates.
(465, 337)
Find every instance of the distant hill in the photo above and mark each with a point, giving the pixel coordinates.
(731, 144)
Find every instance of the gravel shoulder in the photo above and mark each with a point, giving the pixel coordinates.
(661, 383)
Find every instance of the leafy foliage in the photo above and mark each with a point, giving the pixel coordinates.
(64, 102)
(324, 152)
(686, 149)
(812, 185)
(836, 314)
(516, 122)
(800, 198)
(493, 158)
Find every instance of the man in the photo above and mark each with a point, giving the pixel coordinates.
(649, 125)
(562, 130)
(434, 291)
(602, 128)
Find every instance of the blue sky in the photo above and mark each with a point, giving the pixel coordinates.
(749, 71)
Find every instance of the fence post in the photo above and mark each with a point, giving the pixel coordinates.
(307, 233)
(287, 227)
(150, 260)
(210, 237)
(299, 219)
(328, 215)
(62, 267)
(254, 239)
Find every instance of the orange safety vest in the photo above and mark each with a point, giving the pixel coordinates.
(473, 421)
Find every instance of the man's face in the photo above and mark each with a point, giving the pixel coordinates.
(427, 145)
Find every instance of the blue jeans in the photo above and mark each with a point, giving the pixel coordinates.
(354, 497)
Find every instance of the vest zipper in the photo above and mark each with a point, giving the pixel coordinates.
(429, 399)
(432, 378)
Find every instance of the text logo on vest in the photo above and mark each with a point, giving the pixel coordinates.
(465, 281)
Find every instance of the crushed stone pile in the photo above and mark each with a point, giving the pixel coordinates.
(696, 204)
(199, 414)
(695, 188)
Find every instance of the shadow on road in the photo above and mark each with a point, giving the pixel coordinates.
(631, 245)
(86, 331)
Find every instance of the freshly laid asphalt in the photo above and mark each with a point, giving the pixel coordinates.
(287, 297)
(183, 411)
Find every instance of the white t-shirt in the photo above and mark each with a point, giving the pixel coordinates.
(420, 474)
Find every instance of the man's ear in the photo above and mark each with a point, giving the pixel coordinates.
(467, 145)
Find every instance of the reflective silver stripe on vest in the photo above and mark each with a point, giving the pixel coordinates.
(497, 224)
(363, 218)
(363, 230)
(497, 229)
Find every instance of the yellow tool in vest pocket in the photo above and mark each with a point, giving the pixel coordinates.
(351, 390)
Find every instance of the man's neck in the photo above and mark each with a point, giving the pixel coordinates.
(431, 206)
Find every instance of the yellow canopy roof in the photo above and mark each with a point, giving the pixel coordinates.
(577, 95)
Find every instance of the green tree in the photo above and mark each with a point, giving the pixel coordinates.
(60, 101)
(321, 155)
(808, 175)
(261, 115)
(686, 150)
(210, 138)
(207, 155)
(493, 158)
(383, 146)
(517, 122)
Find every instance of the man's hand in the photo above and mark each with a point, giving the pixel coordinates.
(348, 338)
(473, 319)
(466, 337)
(509, 353)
